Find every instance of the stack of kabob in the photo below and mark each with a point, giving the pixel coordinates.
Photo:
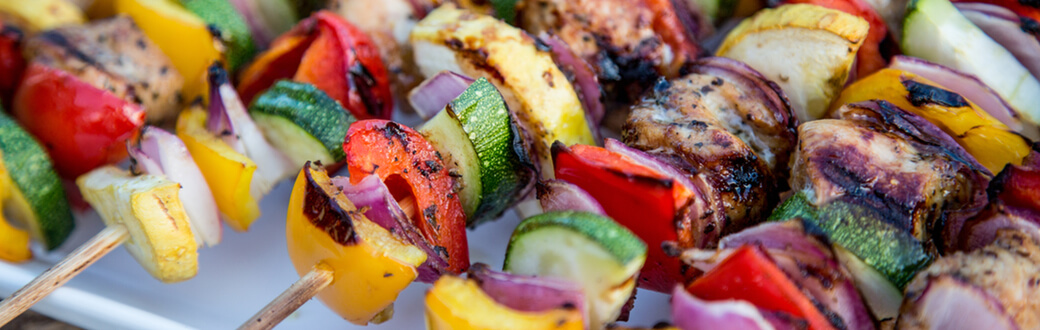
(835, 164)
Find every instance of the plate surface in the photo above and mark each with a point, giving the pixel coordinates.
(236, 279)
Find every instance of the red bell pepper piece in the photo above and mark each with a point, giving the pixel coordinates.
(12, 63)
(81, 126)
(635, 196)
(333, 55)
(674, 31)
(411, 167)
(869, 58)
(750, 275)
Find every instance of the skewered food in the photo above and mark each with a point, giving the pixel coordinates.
(819, 46)
(880, 171)
(331, 54)
(600, 255)
(533, 87)
(993, 287)
(114, 55)
(370, 265)
(31, 195)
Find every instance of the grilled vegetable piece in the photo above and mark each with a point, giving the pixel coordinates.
(868, 58)
(637, 197)
(456, 304)
(806, 260)
(858, 228)
(39, 15)
(748, 273)
(1013, 204)
(79, 136)
(229, 174)
(1025, 9)
(184, 37)
(387, 23)
(494, 176)
(981, 135)
(533, 87)
(589, 249)
(818, 45)
(114, 55)
(370, 265)
(331, 54)
(33, 196)
(993, 287)
(971, 88)
(729, 139)
(935, 31)
(628, 43)
(159, 152)
(232, 28)
(412, 168)
(303, 122)
(14, 242)
(12, 62)
(892, 171)
(150, 207)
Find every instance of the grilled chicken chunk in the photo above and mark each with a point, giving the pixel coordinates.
(623, 40)
(723, 137)
(996, 287)
(113, 54)
(893, 161)
(388, 23)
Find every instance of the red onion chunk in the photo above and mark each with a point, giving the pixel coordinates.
(434, 93)
(584, 78)
(559, 195)
(160, 153)
(234, 125)
(982, 230)
(1005, 27)
(969, 87)
(691, 313)
(948, 303)
(383, 209)
(528, 293)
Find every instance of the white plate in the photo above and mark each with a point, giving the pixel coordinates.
(236, 279)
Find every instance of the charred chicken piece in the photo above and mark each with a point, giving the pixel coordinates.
(1014, 203)
(996, 287)
(114, 55)
(880, 156)
(724, 133)
(628, 43)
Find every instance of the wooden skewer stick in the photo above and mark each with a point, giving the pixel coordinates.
(291, 299)
(56, 276)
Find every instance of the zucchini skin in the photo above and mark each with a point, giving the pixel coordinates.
(311, 109)
(893, 252)
(33, 174)
(505, 174)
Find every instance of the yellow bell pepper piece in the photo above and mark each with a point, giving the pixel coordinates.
(457, 304)
(39, 15)
(991, 142)
(369, 272)
(182, 36)
(14, 242)
(228, 172)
